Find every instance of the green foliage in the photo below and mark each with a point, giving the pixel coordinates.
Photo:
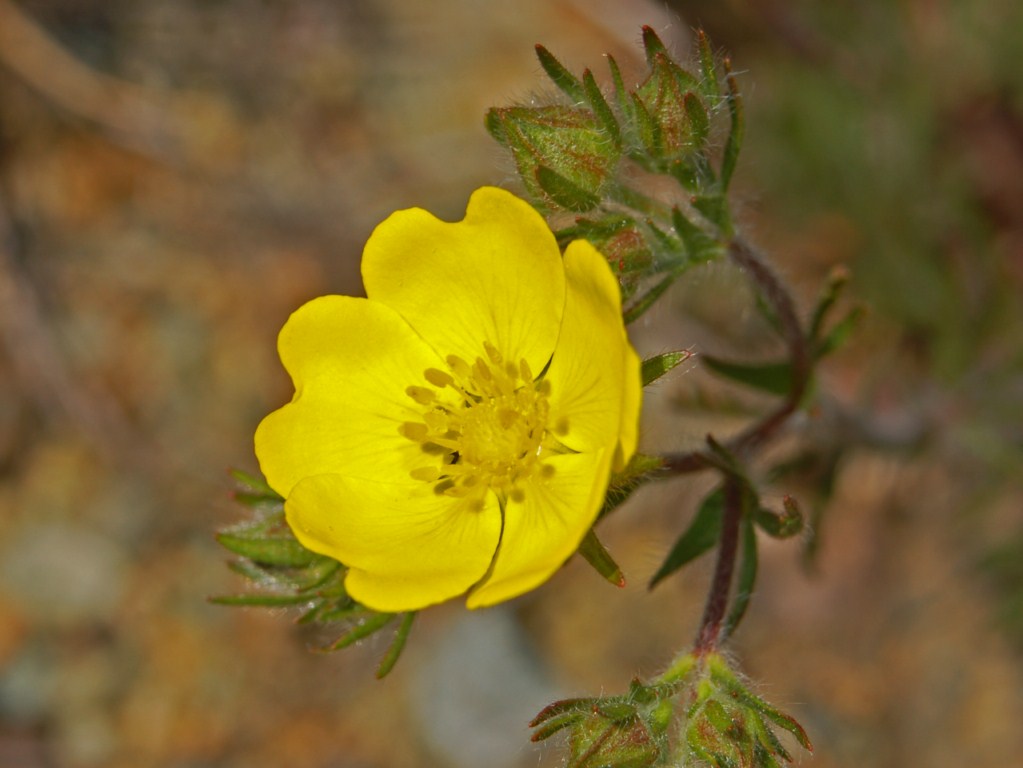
(697, 710)
(583, 158)
(287, 574)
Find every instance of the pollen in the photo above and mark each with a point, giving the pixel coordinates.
(487, 421)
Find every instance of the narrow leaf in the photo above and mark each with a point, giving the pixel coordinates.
(556, 71)
(699, 537)
(658, 365)
(699, 245)
(397, 645)
(594, 553)
(775, 378)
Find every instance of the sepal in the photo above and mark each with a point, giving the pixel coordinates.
(286, 574)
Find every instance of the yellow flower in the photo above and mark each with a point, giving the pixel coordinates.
(455, 430)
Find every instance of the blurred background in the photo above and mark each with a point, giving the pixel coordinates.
(177, 177)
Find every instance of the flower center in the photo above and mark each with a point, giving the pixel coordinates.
(488, 429)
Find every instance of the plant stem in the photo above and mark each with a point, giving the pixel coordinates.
(721, 585)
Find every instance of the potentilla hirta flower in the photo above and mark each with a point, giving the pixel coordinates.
(455, 430)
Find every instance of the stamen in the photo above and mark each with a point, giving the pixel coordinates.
(496, 438)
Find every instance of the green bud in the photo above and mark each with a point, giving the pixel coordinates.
(564, 155)
(674, 123)
(612, 738)
(623, 244)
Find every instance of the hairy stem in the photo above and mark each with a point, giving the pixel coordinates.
(721, 586)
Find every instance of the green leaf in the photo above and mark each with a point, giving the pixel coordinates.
(594, 553)
(658, 365)
(701, 535)
(561, 77)
(397, 645)
(565, 193)
(775, 378)
(746, 579)
(639, 470)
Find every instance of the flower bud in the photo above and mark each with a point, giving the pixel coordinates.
(672, 121)
(612, 735)
(564, 154)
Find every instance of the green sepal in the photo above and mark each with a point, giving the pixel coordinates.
(699, 120)
(701, 535)
(255, 486)
(640, 469)
(260, 543)
(774, 378)
(645, 301)
(596, 554)
(708, 69)
(723, 676)
(657, 366)
(700, 247)
(567, 82)
(373, 622)
(715, 209)
(601, 108)
(397, 645)
(730, 156)
(652, 45)
(565, 193)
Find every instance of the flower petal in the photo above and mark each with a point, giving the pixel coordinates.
(632, 402)
(351, 361)
(543, 530)
(592, 374)
(495, 276)
(404, 550)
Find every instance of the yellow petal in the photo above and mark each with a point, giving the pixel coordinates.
(495, 276)
(404, 550)
(592, 375)
(351, 361)
(632, 401)
(543, 529)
